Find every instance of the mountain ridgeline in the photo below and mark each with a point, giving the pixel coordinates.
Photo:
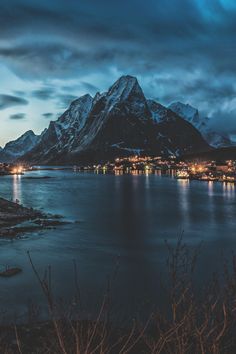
(120, 122)
(192, 115)
(17, 148)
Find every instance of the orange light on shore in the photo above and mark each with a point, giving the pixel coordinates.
(200, 169)
(17, 170)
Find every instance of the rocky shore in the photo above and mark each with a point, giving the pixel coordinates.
(15, 219)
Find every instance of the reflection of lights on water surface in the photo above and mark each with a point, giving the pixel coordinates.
(229, 190)
(183, 185)
(16, 187)
(210, 188)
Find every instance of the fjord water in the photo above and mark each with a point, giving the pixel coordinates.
(118, 229)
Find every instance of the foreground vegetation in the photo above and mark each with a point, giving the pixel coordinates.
(194, 321)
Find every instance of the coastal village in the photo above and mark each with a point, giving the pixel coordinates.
(218, 171)
(222, 171)
(11, 169)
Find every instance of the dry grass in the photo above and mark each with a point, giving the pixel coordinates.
(191, 324)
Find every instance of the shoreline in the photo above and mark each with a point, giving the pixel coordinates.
(16, 220)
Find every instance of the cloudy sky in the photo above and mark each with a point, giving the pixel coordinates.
(53, 51)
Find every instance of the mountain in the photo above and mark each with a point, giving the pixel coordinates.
(220, 154)
(118, 122)
(59, 137)
(192, 115)
(19, 147)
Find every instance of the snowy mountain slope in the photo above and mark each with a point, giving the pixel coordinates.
(124, 99)
(174, 132)
(62, 133)
(116, 123)
(19, 147)
(192, 115)
(160, 113)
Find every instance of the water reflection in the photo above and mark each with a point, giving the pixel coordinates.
(157, 172)
(183, 185)
(16, 188)
(210, 188)
(229, 190)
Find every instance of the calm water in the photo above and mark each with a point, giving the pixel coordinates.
(122, 224)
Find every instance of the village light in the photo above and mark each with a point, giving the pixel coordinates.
(17, 170)
(200, 168)
(182, 174)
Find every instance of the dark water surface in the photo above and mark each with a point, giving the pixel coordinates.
(123, 222)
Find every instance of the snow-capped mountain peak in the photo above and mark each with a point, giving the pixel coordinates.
(189, 112)
(83, 100)
(126, 90)
(123, 88)
(192, 115)
(17, 148)
(64, 131)
(77, 112)
(27, 139)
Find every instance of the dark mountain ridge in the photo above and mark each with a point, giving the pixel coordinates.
(117, 123)
(220, 154)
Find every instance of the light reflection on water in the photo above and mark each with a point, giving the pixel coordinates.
(210, 188)
(16, 189)
(229, 190)
(183, 187)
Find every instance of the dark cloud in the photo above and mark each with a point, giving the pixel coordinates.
(7, 101)
(132, 36)
(213, 89)
(89, 87)
(83, 86)
(19, 93)
(194, 89)
(48, 115)
(17, 116)
(178, 49)
(64, 101)
(43, 93)
(224, 121)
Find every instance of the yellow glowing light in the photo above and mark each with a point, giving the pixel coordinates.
(200, 169)
(182, 174)
(17, 170)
